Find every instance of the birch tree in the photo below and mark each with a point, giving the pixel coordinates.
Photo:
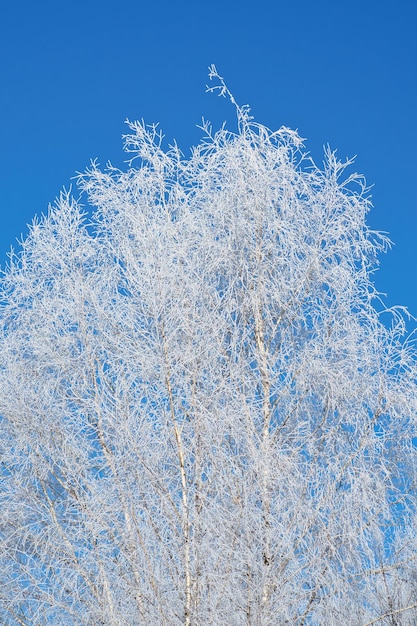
(203, 418)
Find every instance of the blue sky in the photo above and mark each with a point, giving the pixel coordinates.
(343, 73)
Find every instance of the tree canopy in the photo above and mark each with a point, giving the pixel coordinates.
(203, 418)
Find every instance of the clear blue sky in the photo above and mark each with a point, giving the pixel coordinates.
(343, 73)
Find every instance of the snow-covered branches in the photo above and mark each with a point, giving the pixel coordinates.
(203, 419)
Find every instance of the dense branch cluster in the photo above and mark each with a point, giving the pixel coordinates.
(203, 418)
